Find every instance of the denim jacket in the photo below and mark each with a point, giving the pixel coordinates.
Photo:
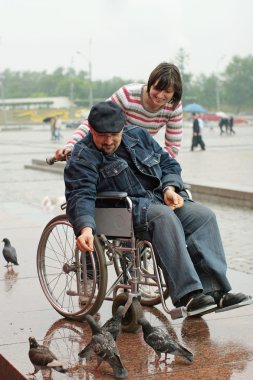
(89, 171)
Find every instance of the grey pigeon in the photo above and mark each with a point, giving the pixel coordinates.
(103, 345)
(113, 325)
(9, 253)
(161, 342)
(42, 358)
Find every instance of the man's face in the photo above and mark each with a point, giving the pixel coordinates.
(107, 143)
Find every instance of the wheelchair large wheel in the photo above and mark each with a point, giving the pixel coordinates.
(150, 295)
(74, 282)
(130, 322)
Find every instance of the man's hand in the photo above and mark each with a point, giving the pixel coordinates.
(85, 240)
(172, 199)
(61, 153)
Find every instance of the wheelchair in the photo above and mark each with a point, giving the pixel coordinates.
(122, 268)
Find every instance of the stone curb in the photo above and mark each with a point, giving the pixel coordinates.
(199, 192)
(228, 196)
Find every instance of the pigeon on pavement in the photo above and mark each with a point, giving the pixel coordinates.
(113, 325)
(42, 358)
(161, 342)
(9, 253)
(103, 345)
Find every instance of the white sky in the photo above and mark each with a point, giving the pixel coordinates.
(128, 37)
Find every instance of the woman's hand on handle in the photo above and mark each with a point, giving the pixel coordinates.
(61, 153)
(85, 240)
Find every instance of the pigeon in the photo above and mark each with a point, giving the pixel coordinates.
(42, 358)
(104, 346)
(9, 253)
(112, 325)
(161, 342)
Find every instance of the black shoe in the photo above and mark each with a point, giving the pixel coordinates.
(230, 300)
(197, 304)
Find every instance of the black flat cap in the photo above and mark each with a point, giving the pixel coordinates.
(106, 117)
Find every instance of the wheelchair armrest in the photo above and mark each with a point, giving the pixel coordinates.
(187, 186)
(111, 195)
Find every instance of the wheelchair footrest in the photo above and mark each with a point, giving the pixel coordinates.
(241, 304)
(178, 312)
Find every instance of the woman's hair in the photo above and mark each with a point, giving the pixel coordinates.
(167, 75)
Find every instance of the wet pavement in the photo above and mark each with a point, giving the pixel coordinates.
(222, 343)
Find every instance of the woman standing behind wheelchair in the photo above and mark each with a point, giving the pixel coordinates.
(151, 106)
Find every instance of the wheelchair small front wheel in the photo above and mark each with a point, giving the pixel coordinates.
(73, 282)
(130, 322)
(148, 287)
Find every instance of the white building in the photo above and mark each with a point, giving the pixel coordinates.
(36, 103)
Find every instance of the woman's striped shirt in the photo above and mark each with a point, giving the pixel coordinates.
(130, 99)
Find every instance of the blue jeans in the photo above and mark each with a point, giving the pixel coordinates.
(188, 248)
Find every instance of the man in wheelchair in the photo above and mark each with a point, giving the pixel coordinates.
(184, 234)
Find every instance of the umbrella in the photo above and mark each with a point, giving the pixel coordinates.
(194, 108)
(223, 115)
(48, 119)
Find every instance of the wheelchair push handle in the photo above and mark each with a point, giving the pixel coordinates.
(50, 160)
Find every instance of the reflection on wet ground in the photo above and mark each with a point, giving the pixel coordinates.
(222, 343)
(10, 278)
(218, 354)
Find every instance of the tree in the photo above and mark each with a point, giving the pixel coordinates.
(236, 90)
(181, 60)
(204, 91)
(238, 83)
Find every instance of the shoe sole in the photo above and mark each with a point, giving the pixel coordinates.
(235, 306)
(201, 311)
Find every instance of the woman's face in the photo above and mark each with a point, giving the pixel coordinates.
(160, 98)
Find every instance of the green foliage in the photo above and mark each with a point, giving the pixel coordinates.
(235, 86)
(238, 83)
(203, 88)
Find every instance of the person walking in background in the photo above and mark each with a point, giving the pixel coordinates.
(230, 125)
(198, 125)
(226, 123)
(201, 133)
(58, 126)
(52, 128)
(221, 123)
(151, 106)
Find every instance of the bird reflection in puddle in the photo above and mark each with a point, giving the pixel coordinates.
(10, 278)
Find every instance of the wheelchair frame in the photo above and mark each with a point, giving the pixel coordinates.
(76, 283)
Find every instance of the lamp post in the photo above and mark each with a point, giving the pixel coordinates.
(89, 73)
(218, 84)
(3, 94)
(3, 99)
(71, 89)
